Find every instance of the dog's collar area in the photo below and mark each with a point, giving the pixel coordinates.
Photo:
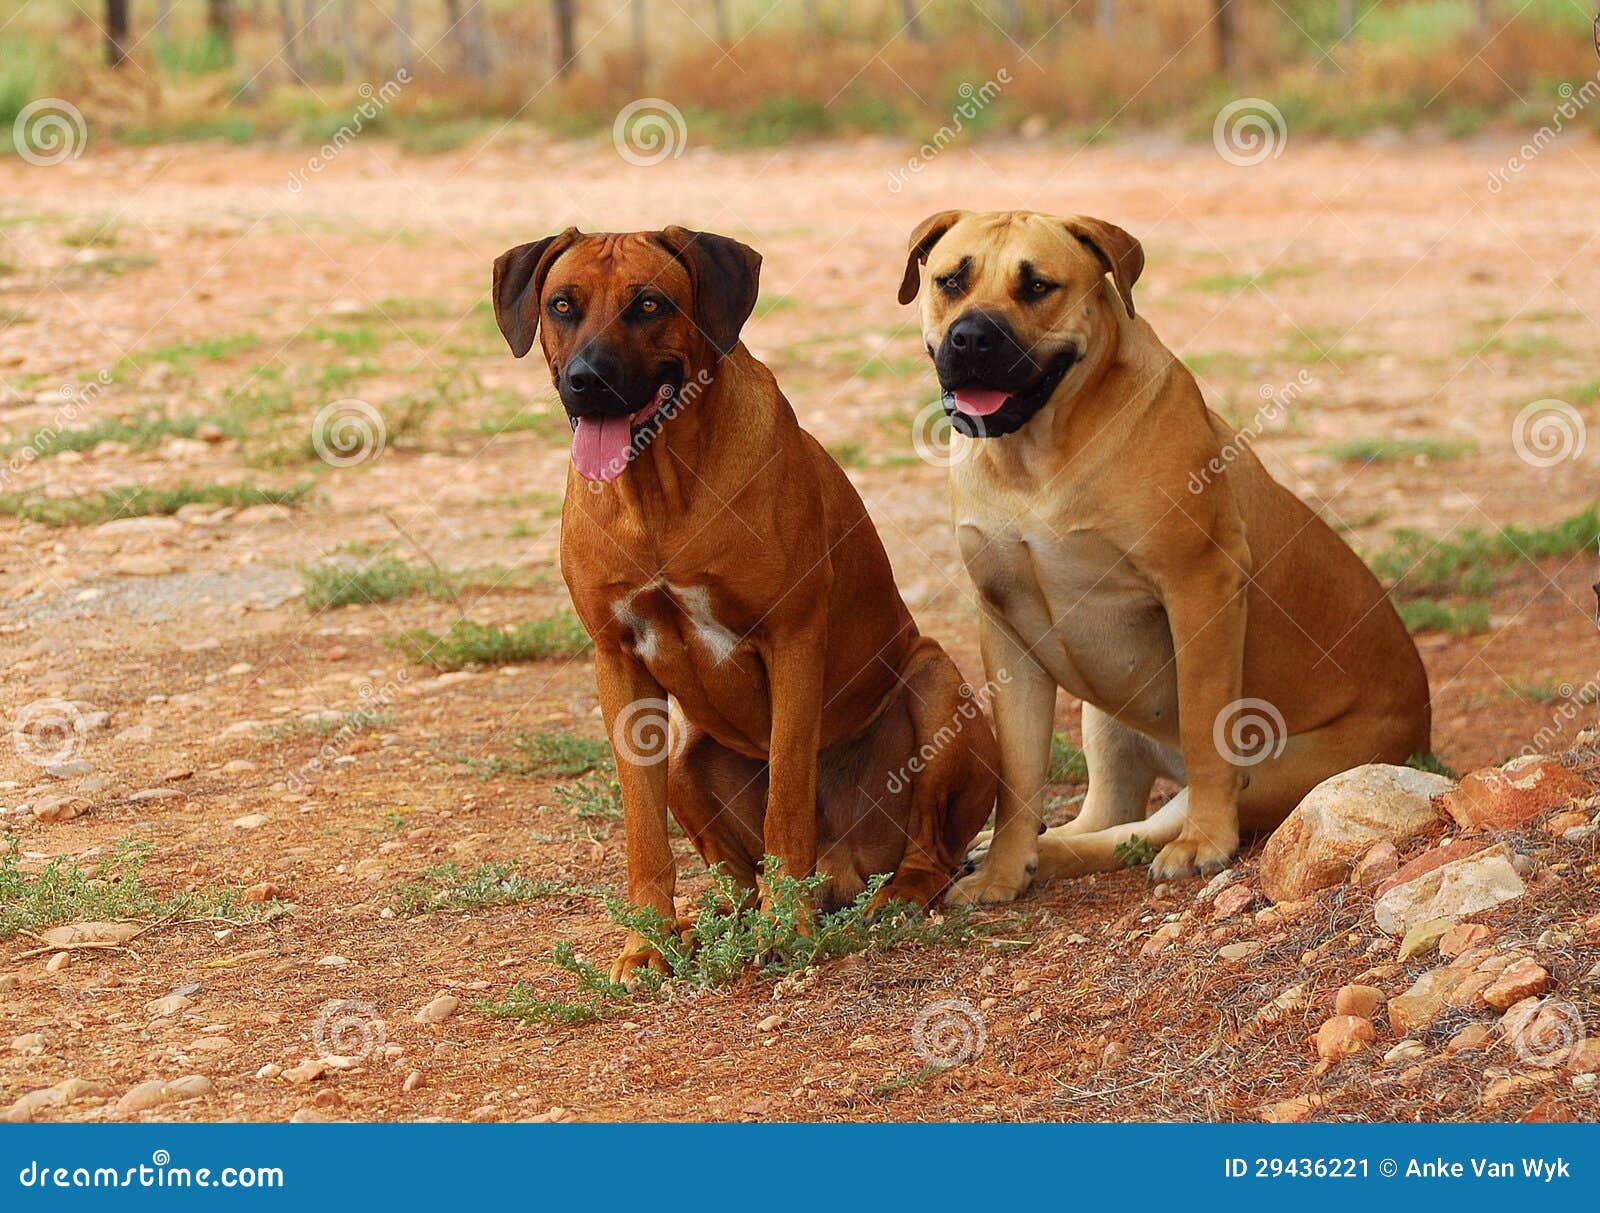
(1020, 408)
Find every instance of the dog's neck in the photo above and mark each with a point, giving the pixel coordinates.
(702, 450)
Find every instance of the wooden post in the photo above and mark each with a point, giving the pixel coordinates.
(565, 16)
(116, 32)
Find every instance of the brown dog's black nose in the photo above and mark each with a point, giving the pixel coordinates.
(595, 381)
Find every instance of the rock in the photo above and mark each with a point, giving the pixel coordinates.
(1423, 938)
(1474, 1038)
(1343, 1036)
(144, 794)
(770, 1024)
(1339, 820)
(238, 766)
(64, 1093)
(1584, 1058)
(1503, 1089)
(413, 1081)
(251, 821)
(1233, 900)
(1422, 1003)
(1548, 1111)
(1404, 1053)
(1362, 1001)
(1430, 860)
(1238, 953)
(438, 1009)
(163, 1007)
(1562, 822)
(1503, 798)
(72, 768)
(141, 564)
(1519, 980)
(58, 962)
(306, 1072)
(265, 891)
(1378, 864)
(1463, 936)
(51, 809)
(1292, 1111)
(30, 1044)
(74, 933)
(157, 1091)
(1544, 1032)
(1161, 938)
(1454, 890)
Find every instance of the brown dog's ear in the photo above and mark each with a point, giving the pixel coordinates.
(724, 278)
(518, 274)
(923, 239)
(1120, 253)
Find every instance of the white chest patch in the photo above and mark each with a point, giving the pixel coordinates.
(696, 603)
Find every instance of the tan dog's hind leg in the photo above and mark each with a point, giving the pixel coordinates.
(1123, 766)
(1024, 712)
(1063, 853)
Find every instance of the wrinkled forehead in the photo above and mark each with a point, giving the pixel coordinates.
(618, 261)
(998, 244)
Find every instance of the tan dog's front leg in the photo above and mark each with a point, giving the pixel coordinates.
(1206, 611)
(1024, 712)
(627, 692)
(795, 675)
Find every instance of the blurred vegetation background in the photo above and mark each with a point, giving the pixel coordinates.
(767, 71)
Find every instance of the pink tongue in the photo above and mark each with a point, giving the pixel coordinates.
(979, 401)
(600, 446)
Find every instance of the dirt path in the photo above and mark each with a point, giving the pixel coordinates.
(1403, 298)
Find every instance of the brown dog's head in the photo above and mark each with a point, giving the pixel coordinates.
(625, 321)
(1014, 302)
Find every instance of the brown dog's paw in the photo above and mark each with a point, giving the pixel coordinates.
(991, 883)
(1191, 857)
(637, 954)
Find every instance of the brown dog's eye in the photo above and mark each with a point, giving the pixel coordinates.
(561, 306)
(649, 306)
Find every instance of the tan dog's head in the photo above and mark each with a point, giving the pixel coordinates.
(1014, 302)
(625, 321)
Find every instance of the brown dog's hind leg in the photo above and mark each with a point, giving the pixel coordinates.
(954, 792)
(718, 797)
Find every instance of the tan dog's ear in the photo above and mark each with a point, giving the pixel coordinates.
(922, 240)
(1120, 253)
(725, 277)
(518, 273)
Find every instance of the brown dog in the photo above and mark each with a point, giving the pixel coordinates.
(717, 554)
(1128, 546)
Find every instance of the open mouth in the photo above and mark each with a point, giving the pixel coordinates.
(983, 412)
(603, 446)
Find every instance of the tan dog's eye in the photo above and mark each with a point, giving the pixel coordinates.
(1040, 287)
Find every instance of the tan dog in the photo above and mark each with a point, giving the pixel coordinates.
(1128, 547)
(717, 554)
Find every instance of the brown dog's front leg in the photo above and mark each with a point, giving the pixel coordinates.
(794, 670)
(1206, 611)
(635, 710)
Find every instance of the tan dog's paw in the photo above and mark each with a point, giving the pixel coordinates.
(1191, 857)
(637, 954)
(991, 883)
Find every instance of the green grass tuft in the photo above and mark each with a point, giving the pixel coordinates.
(1431, 615)
(469, 643)
(548, 755)
(112, 889)
(380, 580)
(1067, 762)
(1392, 450)
(136, 501)
(447, 887)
